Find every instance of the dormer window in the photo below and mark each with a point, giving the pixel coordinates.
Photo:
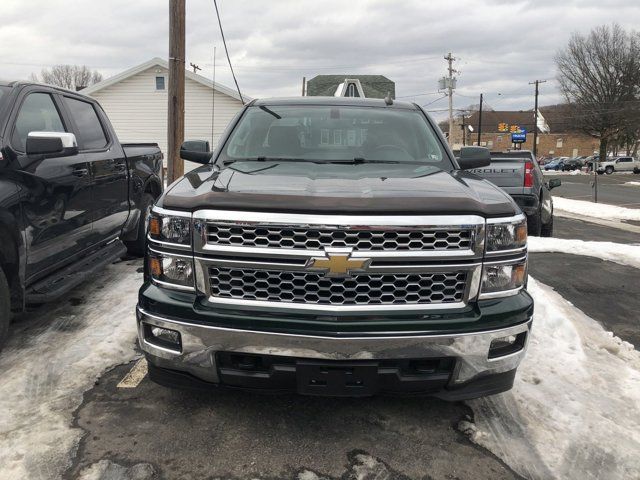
(352, 90)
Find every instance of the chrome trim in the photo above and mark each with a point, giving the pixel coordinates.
(512, 251)
(172, 286)
(170, 213)
(343, 221)
(170, 254)
(307, 308)
(179, 246)
(516, 218)
(500, 294)
(524, 258)
(163, 349)
(201, 342)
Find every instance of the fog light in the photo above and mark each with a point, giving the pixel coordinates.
(162, 337)
(507, 345)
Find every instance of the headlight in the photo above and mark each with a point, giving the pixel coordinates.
(506, 234)
(503, 279)
(169, 228)
(171, 271)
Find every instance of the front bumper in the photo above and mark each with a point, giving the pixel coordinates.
(462, 369)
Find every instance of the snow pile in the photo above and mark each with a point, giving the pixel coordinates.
(597, 210)
(633, 184)
(574, 411)
(613, 252)
(51, 359)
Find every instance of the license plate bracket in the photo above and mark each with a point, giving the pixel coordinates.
(337, 379)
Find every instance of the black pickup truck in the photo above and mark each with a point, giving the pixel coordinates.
(72, 197)
(335, 246)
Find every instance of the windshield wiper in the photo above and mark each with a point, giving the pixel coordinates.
(267, 159)
(361, 160)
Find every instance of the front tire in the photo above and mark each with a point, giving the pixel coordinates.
(608, 170)
(137, 247)
(5, 308)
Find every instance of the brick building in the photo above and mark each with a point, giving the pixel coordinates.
(560, 137)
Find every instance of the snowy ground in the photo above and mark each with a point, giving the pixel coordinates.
(595, 210)
(45, 372)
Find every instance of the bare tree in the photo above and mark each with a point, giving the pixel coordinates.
(599, 75)
(73, 77)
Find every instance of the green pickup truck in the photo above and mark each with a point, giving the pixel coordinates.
(335, 246)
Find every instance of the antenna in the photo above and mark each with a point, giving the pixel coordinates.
(388, 100)
(195, 67)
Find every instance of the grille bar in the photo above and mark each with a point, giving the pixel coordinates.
(317, 289)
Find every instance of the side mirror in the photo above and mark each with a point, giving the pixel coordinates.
(51, 144)
(554, 182)
(474, 157)
(196, 151)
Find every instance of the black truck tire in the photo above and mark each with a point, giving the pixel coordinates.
(547, 229)
(534, 223)
(137, 247)
(5, 308)
(608, 170)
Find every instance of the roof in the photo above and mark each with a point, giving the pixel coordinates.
(557, 117)
(374, 86)
(337, 101)
(157, 61)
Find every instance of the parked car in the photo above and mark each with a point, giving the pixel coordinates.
(71, 195)
(619, 164)
(589, 161)
(517, 173)
(572, 164)
(335, 246)
(556, 165)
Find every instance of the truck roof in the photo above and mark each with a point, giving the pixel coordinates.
(333, 101)
(23, 83)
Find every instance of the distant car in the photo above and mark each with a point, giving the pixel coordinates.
(554, 165)
(619, 164)
(572, 164)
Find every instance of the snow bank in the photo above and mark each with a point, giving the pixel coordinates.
(574, 411)
(633, 184)
(597, 210)
(613, 252)
(52, 358)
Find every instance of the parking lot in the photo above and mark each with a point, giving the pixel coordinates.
(74, 384)
(616, 189)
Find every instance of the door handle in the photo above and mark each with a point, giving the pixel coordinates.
(81, 172)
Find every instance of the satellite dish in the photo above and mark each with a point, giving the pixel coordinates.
(470, 127)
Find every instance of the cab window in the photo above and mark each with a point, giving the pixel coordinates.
(38, 113)
(90, 132)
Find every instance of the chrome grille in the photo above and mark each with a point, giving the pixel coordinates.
(361, 289)
(318, 238)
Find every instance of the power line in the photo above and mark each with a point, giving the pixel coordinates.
(224, 42)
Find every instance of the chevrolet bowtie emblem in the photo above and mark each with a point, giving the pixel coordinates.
(338, 264)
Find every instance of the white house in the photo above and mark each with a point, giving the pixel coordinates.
(136, 103)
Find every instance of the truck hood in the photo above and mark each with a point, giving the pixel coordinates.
(337, 188)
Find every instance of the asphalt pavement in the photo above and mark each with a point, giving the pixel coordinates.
(614, 189)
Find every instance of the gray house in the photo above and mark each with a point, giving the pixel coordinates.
(370, 86)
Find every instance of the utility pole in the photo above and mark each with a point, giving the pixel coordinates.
(464, 132)
(304, 85)
(535, 119)
(480, 121)
(195, 67)
(449, 58)
(175, 119)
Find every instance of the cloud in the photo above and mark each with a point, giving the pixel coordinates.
(500, 45)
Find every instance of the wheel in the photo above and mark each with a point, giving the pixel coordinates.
(137, 247)
(547, 229)
(608, 170)
(5, 308)
(636, 170)
(534, 223)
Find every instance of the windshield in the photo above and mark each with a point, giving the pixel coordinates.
(335, 133)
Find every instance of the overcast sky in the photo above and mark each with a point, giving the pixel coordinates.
(500, 45)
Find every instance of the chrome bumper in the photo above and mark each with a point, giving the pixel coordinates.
(200, 343)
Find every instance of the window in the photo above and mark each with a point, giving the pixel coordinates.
(90, 133)
(38, 113)
(352, 91)
(625, 159)
(559, 143)
(160, 83)
(325, 133)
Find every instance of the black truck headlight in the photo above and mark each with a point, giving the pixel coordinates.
(506, 234)
(171, 271)
(503, 279)
(170, 227)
